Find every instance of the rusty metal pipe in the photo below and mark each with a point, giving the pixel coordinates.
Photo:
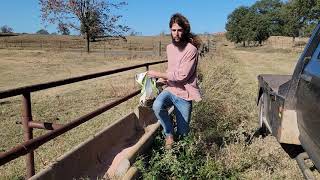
(26, 119)
(33, 144)
(38, 87)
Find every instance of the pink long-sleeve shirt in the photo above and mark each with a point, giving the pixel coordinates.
(181, 72)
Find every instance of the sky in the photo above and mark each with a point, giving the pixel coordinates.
(148, 17)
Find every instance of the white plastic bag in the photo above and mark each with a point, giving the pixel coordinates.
(148, 88)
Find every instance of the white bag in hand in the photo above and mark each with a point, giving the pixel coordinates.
(148, 88)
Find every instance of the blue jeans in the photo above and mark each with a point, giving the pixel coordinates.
(182, 109)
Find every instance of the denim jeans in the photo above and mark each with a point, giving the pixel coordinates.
(182, 109)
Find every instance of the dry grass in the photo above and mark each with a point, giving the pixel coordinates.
(24, 67)
(61, 104)
(264, 158)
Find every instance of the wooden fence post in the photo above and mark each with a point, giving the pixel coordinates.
(159, 48)
(104, 49)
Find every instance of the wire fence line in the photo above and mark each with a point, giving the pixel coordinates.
(106, 48)
(278, 43)
(289, 43)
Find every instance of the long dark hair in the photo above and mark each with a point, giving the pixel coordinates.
(187, 36)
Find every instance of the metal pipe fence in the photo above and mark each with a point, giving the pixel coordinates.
(30, 144)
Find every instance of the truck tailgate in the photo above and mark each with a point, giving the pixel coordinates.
(273, 81)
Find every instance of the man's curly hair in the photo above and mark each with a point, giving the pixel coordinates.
(183, 22)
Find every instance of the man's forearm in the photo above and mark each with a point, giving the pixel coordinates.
(163, 75)
(157, 74)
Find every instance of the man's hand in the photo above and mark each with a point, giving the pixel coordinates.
(153, 74)
(161, 82)
(156, 74)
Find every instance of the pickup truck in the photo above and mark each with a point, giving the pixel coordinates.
(289, 105)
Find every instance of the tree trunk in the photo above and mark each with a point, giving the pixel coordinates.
(244, 43)
(293, 39)
(88, 44)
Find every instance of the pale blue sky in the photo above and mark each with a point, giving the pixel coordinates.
(149, 17)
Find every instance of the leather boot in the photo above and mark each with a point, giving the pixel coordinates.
(168, 142)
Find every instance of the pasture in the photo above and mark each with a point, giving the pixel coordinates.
(24, 65)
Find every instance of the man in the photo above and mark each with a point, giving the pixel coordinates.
(180, 77)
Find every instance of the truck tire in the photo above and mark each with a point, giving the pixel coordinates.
(263, 130)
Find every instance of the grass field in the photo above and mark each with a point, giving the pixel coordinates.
(65, 103)
(226, 116)
(265, 157)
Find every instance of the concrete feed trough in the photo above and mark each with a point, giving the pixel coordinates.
(110, 153)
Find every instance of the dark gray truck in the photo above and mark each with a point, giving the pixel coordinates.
(289, 105)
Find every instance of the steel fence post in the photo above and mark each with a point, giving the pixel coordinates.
(26, 118)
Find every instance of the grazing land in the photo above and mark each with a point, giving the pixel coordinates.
(221, 123)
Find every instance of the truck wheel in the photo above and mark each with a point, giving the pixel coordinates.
(263, 130)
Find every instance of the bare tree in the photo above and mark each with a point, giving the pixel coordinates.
(97, 27)
(86, 16)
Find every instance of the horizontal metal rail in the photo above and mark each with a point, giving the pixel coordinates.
(42, 86)
(33, 144)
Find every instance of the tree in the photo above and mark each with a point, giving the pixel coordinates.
(248, 24)
(273, 17)
(6, 29)
(265, 19)
(97, 29)
(297, 14)
(316, 13)
(43, 32)
(63, 29)
(257, 27)
(271, 11)
(90, 17)
(236, 26)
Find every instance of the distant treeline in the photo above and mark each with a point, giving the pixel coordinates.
(265, 18)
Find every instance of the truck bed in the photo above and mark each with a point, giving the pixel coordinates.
(274, 83)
